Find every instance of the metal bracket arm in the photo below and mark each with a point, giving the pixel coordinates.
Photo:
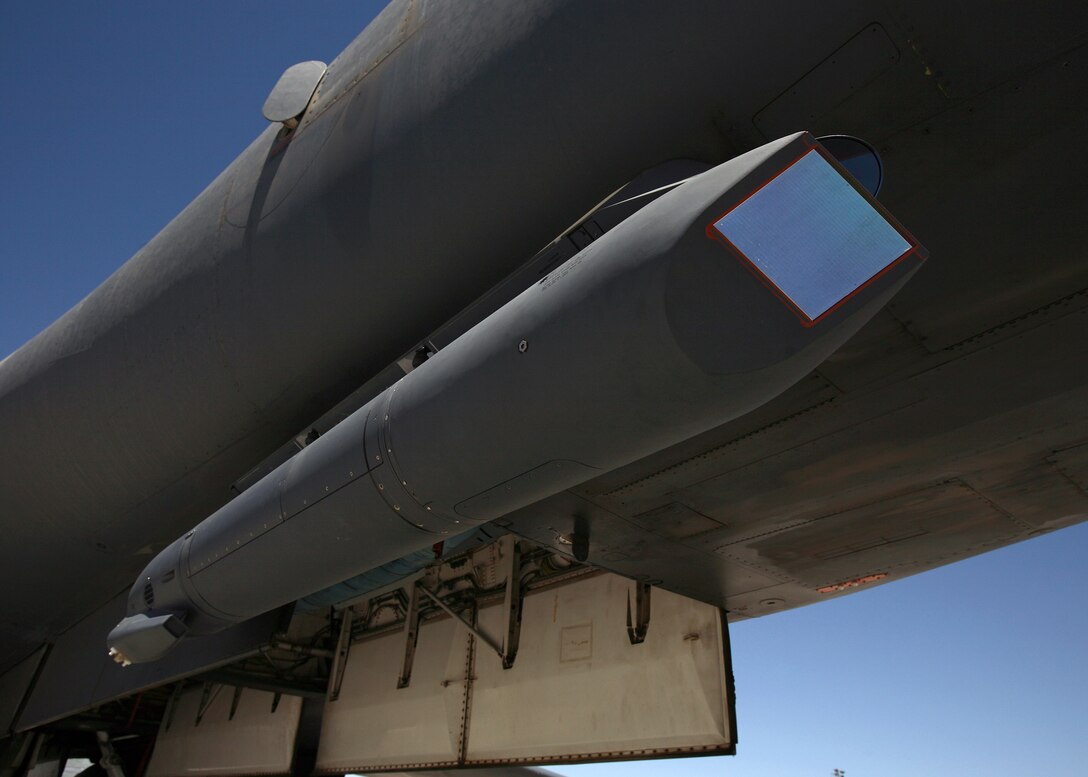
(411, 635)
(456, 616)
(636, 632)
(340, 658)
(512, 601)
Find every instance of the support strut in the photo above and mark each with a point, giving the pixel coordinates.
(636, 632)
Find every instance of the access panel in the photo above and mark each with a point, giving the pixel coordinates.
(212, 729)
(580, 688)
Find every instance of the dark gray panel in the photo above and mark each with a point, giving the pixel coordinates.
(14, 685)
(78, 674)
(923, 526)
(857, 62)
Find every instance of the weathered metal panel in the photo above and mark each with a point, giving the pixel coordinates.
(578, 690)
(223, 734)
(375, 725)
(852, 66)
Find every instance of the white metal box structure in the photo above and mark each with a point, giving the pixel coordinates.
(578, 691)
(455, 667)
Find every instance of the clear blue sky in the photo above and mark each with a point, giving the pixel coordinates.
(117, 114)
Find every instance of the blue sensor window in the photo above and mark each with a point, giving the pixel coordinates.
(812, 235)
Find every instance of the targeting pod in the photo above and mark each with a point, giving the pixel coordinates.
(701, 306)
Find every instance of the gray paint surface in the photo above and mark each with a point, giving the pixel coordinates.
(653, 311)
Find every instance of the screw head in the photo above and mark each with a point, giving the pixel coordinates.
(523, 346)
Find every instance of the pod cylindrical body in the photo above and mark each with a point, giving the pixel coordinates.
(650, 335)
